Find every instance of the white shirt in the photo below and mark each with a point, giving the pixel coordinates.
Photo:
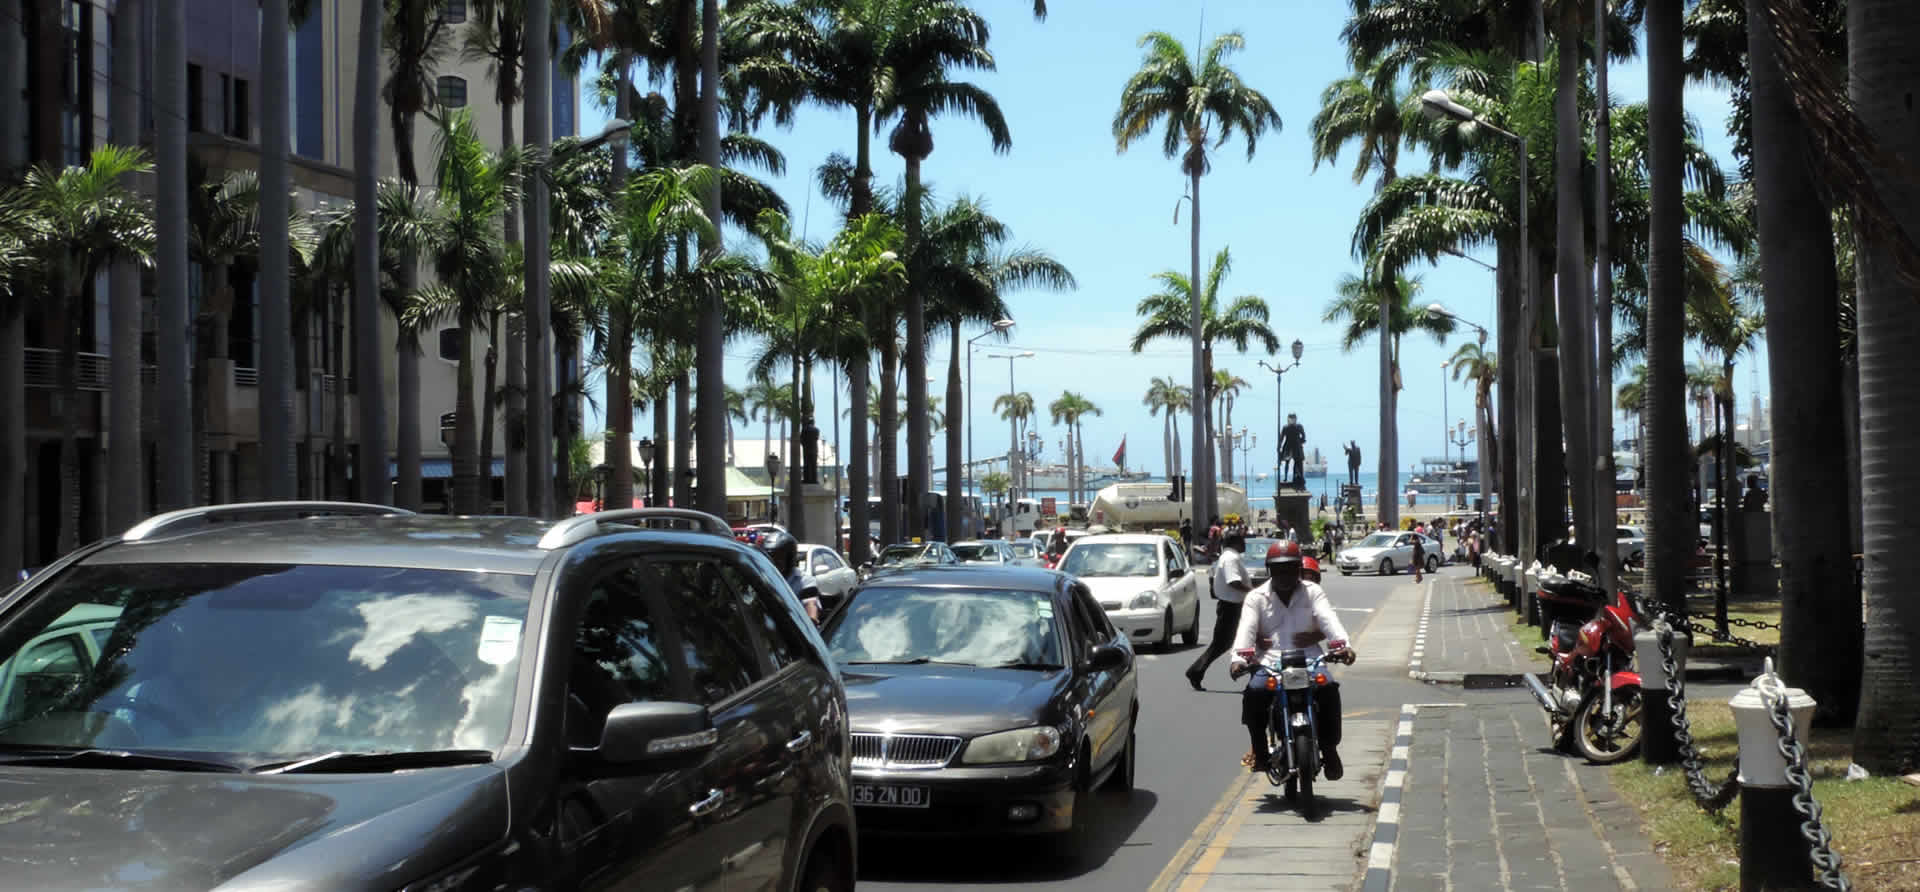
(1229, 569)
(1263, 616)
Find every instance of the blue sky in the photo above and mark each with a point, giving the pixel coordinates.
(1109, 218)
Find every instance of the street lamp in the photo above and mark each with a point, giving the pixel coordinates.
(998, 327)
(1438, 310)
(616, 132)
(646, 466)
(1280, 417)
(1462, 437)
(773, 484)
(1436, 104)
(1013, 425)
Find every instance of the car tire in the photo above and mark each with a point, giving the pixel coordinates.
(1386, 566)
(1191, 636)
(1433, 565)
(1166, 631)
(1073, 841)
(1121, 780)
(825, 873)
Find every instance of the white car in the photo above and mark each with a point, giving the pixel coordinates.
(984, 551)
(1148, 589)
(1388, 553)
(1027, 554)
(831, 573)
(1630, 545)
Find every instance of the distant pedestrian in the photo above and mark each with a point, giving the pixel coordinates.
(1419, 556)
(1230, 583)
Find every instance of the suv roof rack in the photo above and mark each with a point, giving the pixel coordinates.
(243, 512)
(584, 526)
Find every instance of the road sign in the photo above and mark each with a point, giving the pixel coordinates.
(1047, 506)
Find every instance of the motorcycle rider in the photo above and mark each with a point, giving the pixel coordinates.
(1310, 569)
(784, 551)
(1286, 613)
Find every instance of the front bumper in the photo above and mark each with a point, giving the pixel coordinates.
(1146, 625)
(982, 800)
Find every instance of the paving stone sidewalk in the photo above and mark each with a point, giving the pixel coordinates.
(1487, 804)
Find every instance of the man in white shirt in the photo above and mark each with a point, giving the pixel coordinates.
(1231, 582)
(1288, 613)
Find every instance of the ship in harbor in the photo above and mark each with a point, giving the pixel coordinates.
(1316, 466)
(1051, 476)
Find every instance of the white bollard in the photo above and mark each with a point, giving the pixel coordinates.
(1773, 852)
(1659, 744)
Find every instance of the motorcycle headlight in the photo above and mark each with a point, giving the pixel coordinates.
(1144, 600)
(1018, 745)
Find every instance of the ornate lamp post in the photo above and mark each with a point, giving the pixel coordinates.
(773, 480)
(646, 461)
(1280, 416)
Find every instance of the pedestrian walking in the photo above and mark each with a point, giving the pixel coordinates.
(1419, 556)
(1231, 582)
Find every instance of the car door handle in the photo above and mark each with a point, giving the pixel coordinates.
(708, 805)
(800, 742)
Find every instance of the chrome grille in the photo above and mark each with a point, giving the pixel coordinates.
(903, 751)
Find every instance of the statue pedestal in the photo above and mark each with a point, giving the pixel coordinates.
(819, 515)
(1295, 507)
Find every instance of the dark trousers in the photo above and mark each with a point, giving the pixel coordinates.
(1353, 475)
(1226, 622)
(1256, 702)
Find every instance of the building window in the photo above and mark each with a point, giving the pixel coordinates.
(196, 98)
(454, 12)
(453, 91)
(241, 125)
(450, 344)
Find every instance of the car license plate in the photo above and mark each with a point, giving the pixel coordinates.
(890, 796)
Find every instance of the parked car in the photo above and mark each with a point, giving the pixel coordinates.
(1027, 554)
(984, 551)
(1388, 553)
(831, 571)
(323, 695)
(918, 554)
(984, 700)
(1630, 545)
(1255, 558)
(1144, 583)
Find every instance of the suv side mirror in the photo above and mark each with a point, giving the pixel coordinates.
(638, 731)
(1105, 658)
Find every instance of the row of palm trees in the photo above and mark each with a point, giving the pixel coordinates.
(1626, 190)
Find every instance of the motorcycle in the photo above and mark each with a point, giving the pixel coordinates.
(1293, 747)
(1592, 694)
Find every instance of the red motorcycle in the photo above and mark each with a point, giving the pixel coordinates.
(1592, 694)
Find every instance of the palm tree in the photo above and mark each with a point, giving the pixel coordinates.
(371, 425)
(498, 36)
(1069, 409)
(1357, 305)
(1171, 314)
(72, 222)
(278, 465)
(766, 401)
(1195, 98)
(223, 219)
(1366, 107)
(1576, 351)
(1017, 409)
(917, 90)
(1668, 545)
(1226, 386)
(173, 364)
(1632, 397)
(736, 411)
(1472, 361)
(1729, 328)
(1162, 396)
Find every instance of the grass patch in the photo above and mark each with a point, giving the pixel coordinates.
(1875, 822)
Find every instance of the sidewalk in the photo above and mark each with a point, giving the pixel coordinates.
(1487, 804)
(1258, 840)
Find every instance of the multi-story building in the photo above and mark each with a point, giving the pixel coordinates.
(60, 85)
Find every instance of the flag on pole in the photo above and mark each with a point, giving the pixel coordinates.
(1120, 455)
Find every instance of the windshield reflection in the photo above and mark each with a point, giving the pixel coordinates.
(980, 627)
(1113, 559)
(264, 660)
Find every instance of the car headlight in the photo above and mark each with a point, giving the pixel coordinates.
(1019, 745)
(1144, 600)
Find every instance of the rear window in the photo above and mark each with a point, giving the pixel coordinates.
(977, 553)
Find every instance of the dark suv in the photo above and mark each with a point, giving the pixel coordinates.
(327, 695)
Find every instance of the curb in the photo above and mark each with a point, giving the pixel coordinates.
(1414, 663)
(1386, 825)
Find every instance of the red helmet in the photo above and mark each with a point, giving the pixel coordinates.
(1285, 551)
(1309, 565)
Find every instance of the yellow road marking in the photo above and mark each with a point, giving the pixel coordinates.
(1231, 797)
(1209, 859)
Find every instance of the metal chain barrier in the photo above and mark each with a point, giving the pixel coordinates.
(1826, 863)
(1707, 794)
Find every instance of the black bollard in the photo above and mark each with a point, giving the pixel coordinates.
(1773, 853)
(1659, 741)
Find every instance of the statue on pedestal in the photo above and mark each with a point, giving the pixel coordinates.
(809, 453)
(1293, 452)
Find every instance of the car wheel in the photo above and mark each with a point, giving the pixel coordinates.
(1166, 630)
(825, 873)
(1121, 780)
(1386, 566)
(1073, 841)
(1191, 636)
(1433, 565)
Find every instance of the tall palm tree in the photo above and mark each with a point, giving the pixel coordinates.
(1729, 328)
(1632, 397)
(1887, 735)
(1018, 410)
(1357, 306)
(766, 401)
(498, 37)
(1069, 409)
(1576, 317)
(16, 286)
(371, 425)
(1365, 107)
(1671, 533)
(223, 219)
(1198, 99)
(862, 271)
(1472, 361)
(278, 466)
(917, 90)
(173, 477)
(736, 411)
(1226, 386)
(125, 447)
(73, 222)
(1162, 397)
(1172, 313)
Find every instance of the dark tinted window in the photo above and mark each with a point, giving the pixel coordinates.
(619, 655)
(1095, 618)
(715, 644)
(768, 617)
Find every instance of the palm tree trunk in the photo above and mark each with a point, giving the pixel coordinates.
(1815, 550)
(514, 407)
(407, 423)
(124, 458)
(683, 435)
(13, 350)
(892, 515)
(710, 356)
(68, 409)
(1203, 506)
(1174, 424)
(277, 461)
(1576, 329)
(790, 435)
(919, 471)
(1166, 441)
(465, 495)
(958, 516)
(1883, 71)
(1387, 499)
(1671, 533)
(1730, 493)
(662, 435)
(619, 450)
(1550, 468)
(857, 548)
(172, 389)
(488, 390)
(537, 107)
(1600, 310)
(337, 459)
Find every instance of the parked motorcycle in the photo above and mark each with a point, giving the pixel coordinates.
(1292, 739)
(1592, 694)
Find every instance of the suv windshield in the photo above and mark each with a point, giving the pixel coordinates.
(1112, 559)
(977, 553)
(269, 660)
(976, 627)
(906, 554)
